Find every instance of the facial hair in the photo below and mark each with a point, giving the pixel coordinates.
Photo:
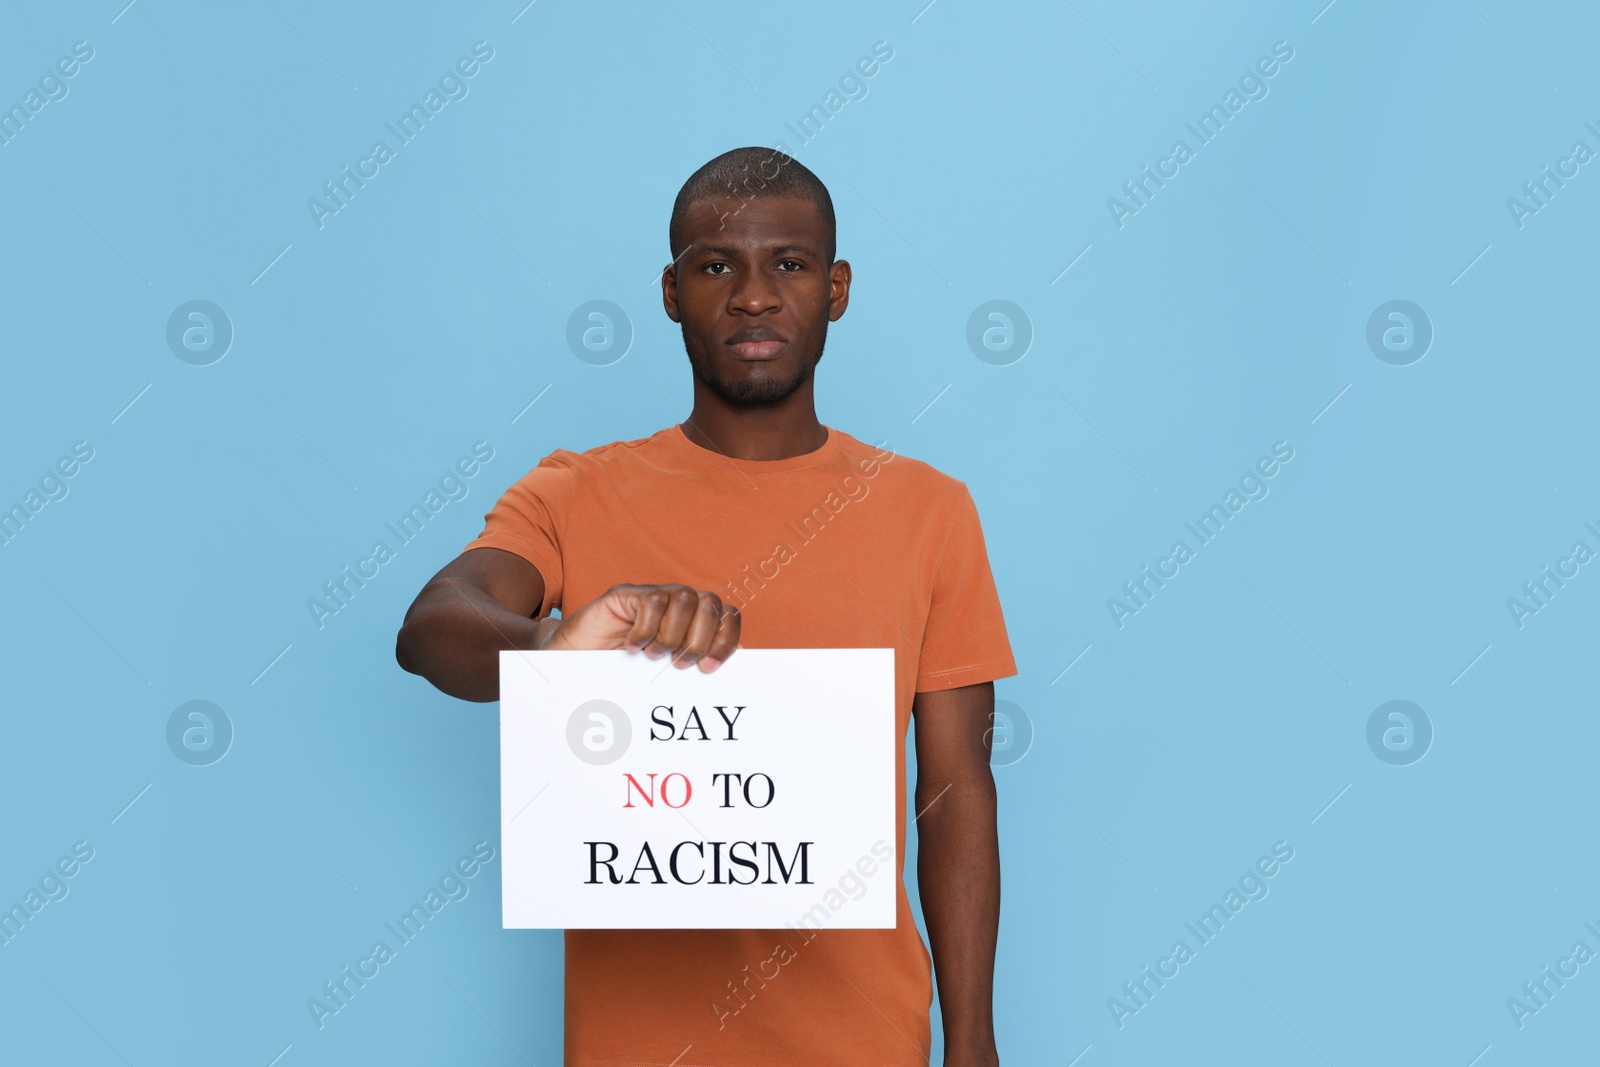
(758, 392)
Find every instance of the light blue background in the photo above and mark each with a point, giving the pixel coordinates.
(1224, 316)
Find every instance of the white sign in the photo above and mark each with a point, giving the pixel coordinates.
(639, 795)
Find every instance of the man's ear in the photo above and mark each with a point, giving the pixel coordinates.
(669, 291)
(838, 289)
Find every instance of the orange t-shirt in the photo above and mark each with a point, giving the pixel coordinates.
(849, 546)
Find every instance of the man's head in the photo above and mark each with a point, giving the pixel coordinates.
(742, 175)
(753, 282)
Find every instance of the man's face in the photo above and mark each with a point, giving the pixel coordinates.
(753, 295)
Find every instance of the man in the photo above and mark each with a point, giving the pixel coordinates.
(754, 522)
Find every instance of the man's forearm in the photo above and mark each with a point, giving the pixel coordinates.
(958, 869)
(453, 636)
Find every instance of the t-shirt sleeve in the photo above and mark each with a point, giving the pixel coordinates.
(529, 520)
(965, 641)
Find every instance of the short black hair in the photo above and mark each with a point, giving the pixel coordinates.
(747, 173)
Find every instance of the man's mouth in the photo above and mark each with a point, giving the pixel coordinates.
(757, 344)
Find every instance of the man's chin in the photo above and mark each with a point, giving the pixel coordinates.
(752, 394)
(759, 391)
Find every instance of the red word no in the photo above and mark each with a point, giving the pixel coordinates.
(648, 795)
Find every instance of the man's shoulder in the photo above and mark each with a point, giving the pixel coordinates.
(611, 452)
(883, 463)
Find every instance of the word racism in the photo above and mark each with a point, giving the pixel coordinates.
(754, 790)
(852, 87)
(52, 887)
(1539, 993)
(52, 486)
(1205, 129)
(1252, 886)
(812, 523)
(1581, 153)
(851, 883)
(1253, 487)
(52, 88)
(1523, 610)
(341, 591)
(452, 887)
(340, 191)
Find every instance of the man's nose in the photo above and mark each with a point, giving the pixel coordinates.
(754, 293)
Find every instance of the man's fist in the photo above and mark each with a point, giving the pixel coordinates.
(691, 626)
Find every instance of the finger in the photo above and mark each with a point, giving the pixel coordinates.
(543, 630)
(649, 607)
(682, 603)
(726, 641)
(702, 629)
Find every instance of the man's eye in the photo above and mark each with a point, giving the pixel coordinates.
(794, 262)
(708, 266)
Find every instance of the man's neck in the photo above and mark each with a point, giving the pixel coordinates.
(756, 433)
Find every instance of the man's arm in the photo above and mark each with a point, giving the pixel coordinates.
(480, 603)
(483, 601)
(958, 863)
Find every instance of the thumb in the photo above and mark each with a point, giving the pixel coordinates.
(603, 623)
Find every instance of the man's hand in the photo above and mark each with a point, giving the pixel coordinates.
(484, 601)
(694, 627)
